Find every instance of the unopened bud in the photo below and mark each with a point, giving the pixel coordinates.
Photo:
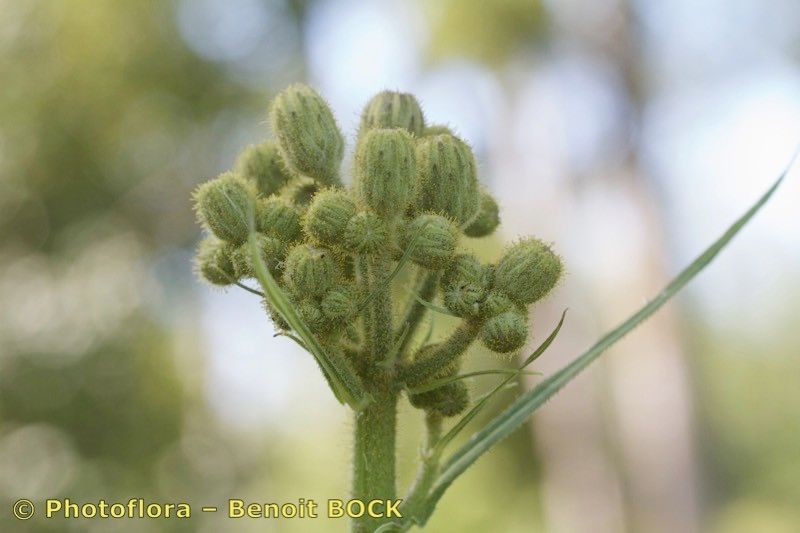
(437, 129)
(278, 218)
(366, 233)
(447, 400)
(447, 178)
(309, 139)
(487, 219)
(390, 109)
(213, 263)
(225, 206)
(262, 165)
(339, 304)
(271, 250)
(528, 271)
(436, 239)
(505, 332)
(310, 271)
(385, 169)
(327, 217)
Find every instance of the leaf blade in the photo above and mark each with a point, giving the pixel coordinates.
(518, 412)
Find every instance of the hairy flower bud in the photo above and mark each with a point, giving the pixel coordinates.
(313, 317)
(366, 233)
(447, 181)
(262, 165)
(272, 252)
(277, 217)
(339, 304)
(326, 218)
(390, 109)
(493, 304)
(487, 219)
(464, 283)
(528, 271)
(437, 129)
(310, 271)
(308, 136)
(213, 262)
(447, 400)
(505, 332)
(225, 206)
(385, 169)
(436, 243)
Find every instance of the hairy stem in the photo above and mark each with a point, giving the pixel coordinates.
(445, 354)
(425, 287)
(374, 457)
(413, 503)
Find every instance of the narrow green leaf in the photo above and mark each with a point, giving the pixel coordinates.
(433, 307)
(344, 383)
(481, 403)
(516, 414)
(436, 383)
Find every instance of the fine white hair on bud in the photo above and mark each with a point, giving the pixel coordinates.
(436, 239)
(310, 270)
(447, 181)
(308, 136)
(391, 109)
(384, 171)
(486, 220)
(528, 271)
(328, 215)
(262, 165)
(225, 205)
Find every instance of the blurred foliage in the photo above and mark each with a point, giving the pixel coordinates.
(107, 121)
(489, 32)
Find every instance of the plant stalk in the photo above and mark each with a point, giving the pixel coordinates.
(374, 458)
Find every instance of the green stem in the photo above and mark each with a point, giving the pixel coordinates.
(381, 305)
(374, 457)
(412, 507)
(445, 354)
(425, 288)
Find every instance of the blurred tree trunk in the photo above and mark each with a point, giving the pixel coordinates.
(619, 452)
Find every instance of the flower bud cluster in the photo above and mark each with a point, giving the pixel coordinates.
(414, 197)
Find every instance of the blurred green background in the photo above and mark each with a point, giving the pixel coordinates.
(628, 132)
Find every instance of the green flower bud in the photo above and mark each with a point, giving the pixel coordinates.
(505, 332)
(384, 171)
(437, 129)
(312, 315)
(278, 218)
(487, 219)
(447, 179)
(447, 400)
(528, 271)
(224, 205)
(366, 233)
(272, 251)
(213, 263)
(310, 271)
(309, 139)
(390, 109)
(275, 316)
(464, 268)
(262, 165)
(328, 215)
(437, 240)
(494, 304)
(300, 191)
(339, 304)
